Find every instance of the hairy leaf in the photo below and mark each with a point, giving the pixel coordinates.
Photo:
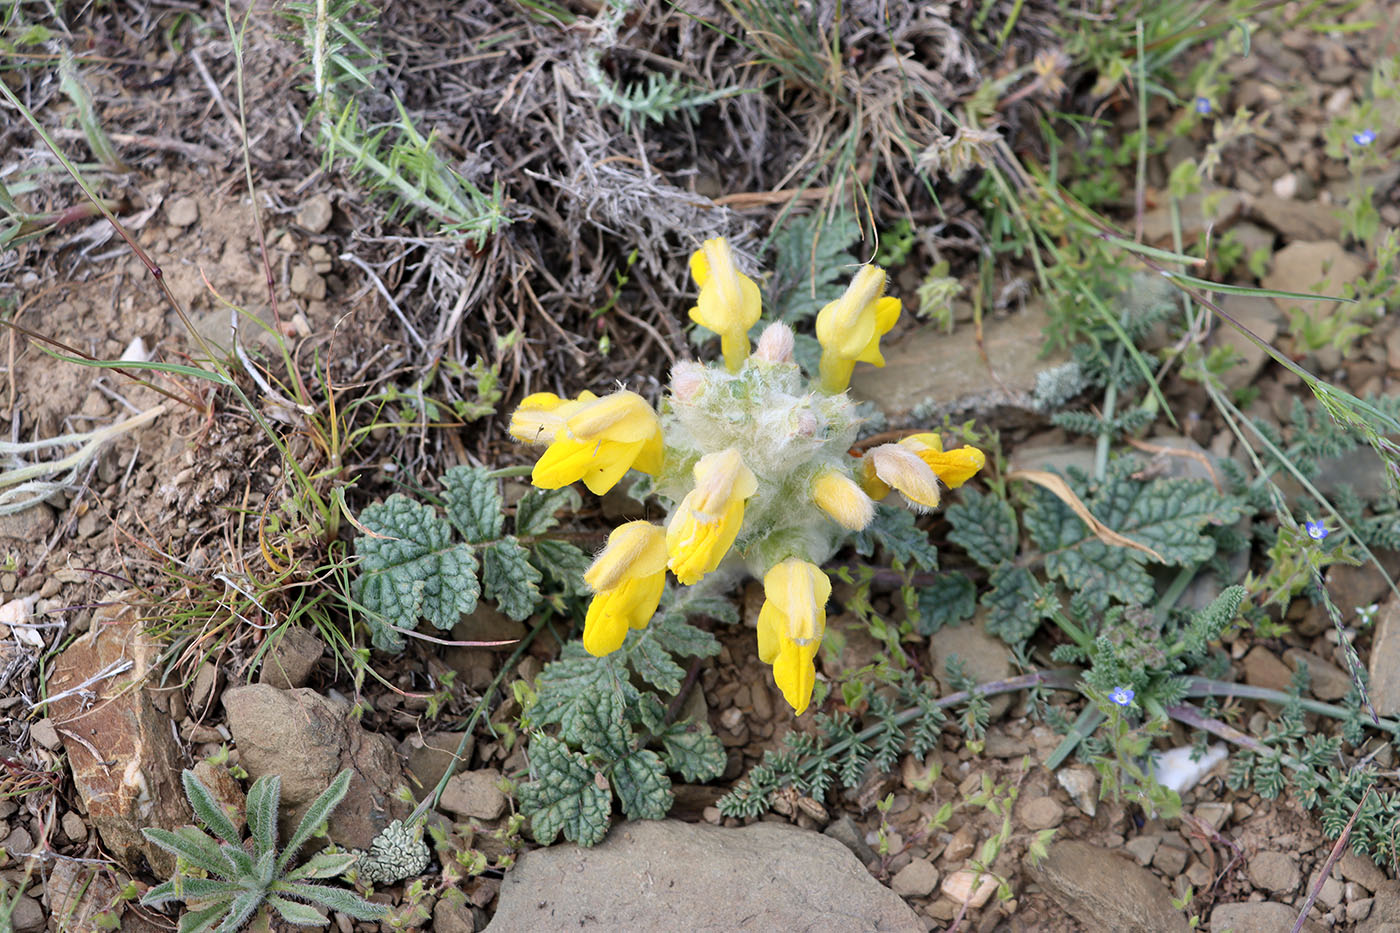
(412, 570)
(316, 815)
(563, 797)
(949, 599)
(564, 684)
(535, 512)
(263, 799)
(1168, 515)
(508, 578)
(693, 751)
(1013, 604)
(810, 263)
(562, 564)
(983, 526)
(474, 503)
(598, 725)
(895, 530)
(642, 785)
(208, 809)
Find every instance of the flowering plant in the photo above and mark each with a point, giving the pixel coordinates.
(754, 461)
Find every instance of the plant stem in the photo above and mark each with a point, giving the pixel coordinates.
(1204, 687)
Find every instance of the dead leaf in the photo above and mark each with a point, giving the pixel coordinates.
(1060, 489)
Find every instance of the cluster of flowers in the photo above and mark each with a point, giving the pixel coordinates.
(755, 462)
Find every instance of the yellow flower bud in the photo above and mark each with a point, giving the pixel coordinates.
(791, 625)
(539, 416)
(708, 519)
(627, 578)
(838, 496)
(729, 302)
(849, 329)
(598, 441)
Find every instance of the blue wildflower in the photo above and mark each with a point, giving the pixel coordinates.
(1203, 105)
(1364, 137)
(1122, 695)
(1316, 530)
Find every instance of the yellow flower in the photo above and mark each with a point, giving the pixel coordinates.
(729, 302)
(627, 578)
(840, 497)
(709, 517)
(915, 465)
(790, 627)
(540, 416)
(849, 329)
(595, 440)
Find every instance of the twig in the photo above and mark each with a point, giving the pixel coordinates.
(1332, 858)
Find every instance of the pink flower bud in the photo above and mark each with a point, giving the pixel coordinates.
(775, 344)
(687, 379)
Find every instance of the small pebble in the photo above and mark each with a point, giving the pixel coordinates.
(183, 212)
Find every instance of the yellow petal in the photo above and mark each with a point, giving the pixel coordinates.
(956, 466)
(846, 325)
(770, 625)
(838, 496)
(535, 420)
(795, 674)
(921, 442)
(612, 612)
(729, 302)
(870, 482)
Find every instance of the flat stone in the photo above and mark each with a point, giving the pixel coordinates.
(845, 831)
(289, 662)
(1329, 682)
(1362, 870)
(475, 794)
(984, 658)
(1143, 848)
(1042, 813)
(308, 739)
(206, 681)
(1262, 668)
(1080, 782)
(1384, 663)
(1258, 315)
(1357, 587)
(452, 913)
(429, 756)
(45, 734)
(1158, 223)
(315, 214)
(917, 879)
(183, 212)
(1106, 892)
(929, 373)
(31, 525)
(115, 719)
(1274, 872)
(1298, 220)
(1257, 917)
(26, 915)
(1321, 268)
(668, 875)
(969, 887)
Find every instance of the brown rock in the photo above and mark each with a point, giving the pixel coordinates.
(125, 760)
(984, 658)
(226, 790)
(1329, 682)
(1106, 892)
(917, 879)
(668, 875)
(291, 659)
(452, 913)
(429, 756)
(31, 525)
(936, 372)
(1258, 316)
(206, 681)
(26, 915)
(1263, 669)
(475, 794)
(1321, 268)
(1257, 917)
(1274, 872)
(1384, 663)
(308, 739)
(1361, 869)
(315, 214)
(78, 893)
(1299, 220)
(1042, 813)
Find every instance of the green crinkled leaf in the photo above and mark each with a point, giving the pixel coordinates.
(895, 530)
(642, 785)
(598, 725)
(983, 526)
(508, 577)
(693, 751)
(719, 608)
(1013, 612)
(1171, 516)
(563, 564)
(563, 796)
(573, 679)
(679, 637)
(655, 665)
(474, 504)
(534, 513)
(414, 571)
(949, 599)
